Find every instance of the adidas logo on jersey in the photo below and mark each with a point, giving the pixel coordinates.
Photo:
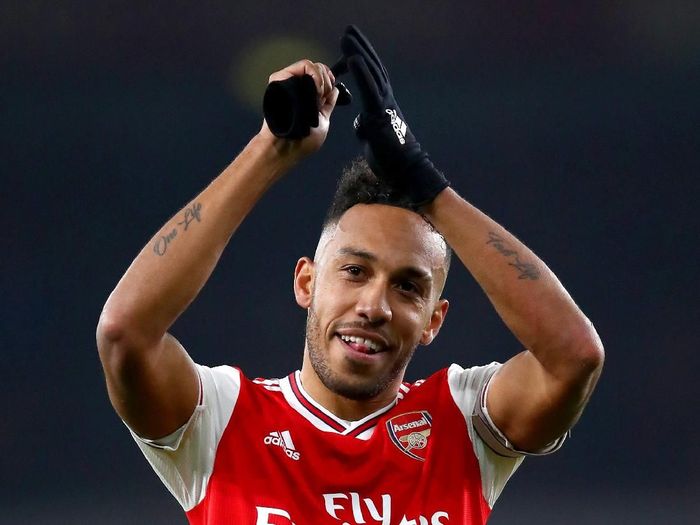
(284, 441)
(398, 125)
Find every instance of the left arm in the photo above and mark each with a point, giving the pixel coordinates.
(540, 393)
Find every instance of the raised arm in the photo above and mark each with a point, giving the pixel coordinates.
(151, 380)
(540, 393)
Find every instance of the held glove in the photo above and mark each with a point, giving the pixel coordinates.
(390, 148)
(290, 106)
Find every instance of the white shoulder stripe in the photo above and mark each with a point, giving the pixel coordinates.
(260, 381)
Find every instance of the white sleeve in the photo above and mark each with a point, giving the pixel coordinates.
(466, 386)
(498, 458)
(184, 460)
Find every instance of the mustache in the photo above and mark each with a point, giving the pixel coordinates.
(312, 322)
(363, 325)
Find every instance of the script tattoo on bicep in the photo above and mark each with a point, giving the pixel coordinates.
(192, 214)
(527, 270)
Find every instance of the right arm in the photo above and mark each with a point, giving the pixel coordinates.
(151, 380)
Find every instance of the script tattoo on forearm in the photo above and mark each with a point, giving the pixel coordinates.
(192, 214)
(527, 270)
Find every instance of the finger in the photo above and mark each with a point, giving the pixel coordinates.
(353, 47)
(331, 75)
(363, 45)
(326, 82)
(369, 92)
(362, 41)
(295, 69)
(340, 67)
(328, 103)
(315, 71)
(300, 68)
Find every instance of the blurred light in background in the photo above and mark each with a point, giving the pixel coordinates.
(252, 67)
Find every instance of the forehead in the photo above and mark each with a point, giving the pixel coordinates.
(394, 235)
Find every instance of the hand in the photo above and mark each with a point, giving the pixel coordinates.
(391, 149)
(323, 80)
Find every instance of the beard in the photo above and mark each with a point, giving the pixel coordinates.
(357, 387)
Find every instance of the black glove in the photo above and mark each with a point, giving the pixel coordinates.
(290, 106)
(390, 148)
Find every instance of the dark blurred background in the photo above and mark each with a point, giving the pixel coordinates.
(575, 124)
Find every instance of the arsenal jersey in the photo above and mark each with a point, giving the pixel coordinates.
(263, 452)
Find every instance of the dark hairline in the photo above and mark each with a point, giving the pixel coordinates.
(359, 184)
(447, 259)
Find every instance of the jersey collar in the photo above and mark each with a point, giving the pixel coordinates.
(323, 419)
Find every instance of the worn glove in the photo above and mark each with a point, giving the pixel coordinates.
(390, 148)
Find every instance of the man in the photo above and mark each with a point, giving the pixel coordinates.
(344, 440)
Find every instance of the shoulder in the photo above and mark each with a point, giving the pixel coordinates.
(464, 383)
(220, 376)
(467, 382)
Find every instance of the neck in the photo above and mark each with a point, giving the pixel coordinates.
(339, 405)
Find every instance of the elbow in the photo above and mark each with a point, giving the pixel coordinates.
(111, 335)
(593, 351)
(109, 329)
(586, 351)
(575, 355)
(117, 339)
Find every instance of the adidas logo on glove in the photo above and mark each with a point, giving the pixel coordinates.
(398, 125)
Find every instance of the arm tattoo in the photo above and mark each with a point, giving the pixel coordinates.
(161, 244)
(527, 270)
(193, 213)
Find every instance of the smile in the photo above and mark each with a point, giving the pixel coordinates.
(361, 345)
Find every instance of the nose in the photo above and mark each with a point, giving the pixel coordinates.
(373, 303)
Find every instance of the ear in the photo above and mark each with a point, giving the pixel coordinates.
(304, 282)
(436, 319)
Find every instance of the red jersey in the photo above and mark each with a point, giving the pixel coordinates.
(264, 452)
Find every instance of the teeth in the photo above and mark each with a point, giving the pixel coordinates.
(372, 345)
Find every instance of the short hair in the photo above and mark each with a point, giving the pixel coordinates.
(360, 185)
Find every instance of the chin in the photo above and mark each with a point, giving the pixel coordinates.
(356, 390)
(353, 382)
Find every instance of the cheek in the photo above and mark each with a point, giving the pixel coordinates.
(333, 290)
(330, 302)
(323, 283)
(412, 320)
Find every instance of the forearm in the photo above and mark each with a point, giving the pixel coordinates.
(172, 268)
(525, 293)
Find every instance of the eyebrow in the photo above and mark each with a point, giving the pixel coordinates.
(408, 271)
(357, 253)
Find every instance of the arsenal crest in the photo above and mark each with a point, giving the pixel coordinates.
(410, 433)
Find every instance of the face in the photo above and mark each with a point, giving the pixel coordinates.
(372, 295)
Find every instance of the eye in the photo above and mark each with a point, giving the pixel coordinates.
(352, 270)
(408, 287)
